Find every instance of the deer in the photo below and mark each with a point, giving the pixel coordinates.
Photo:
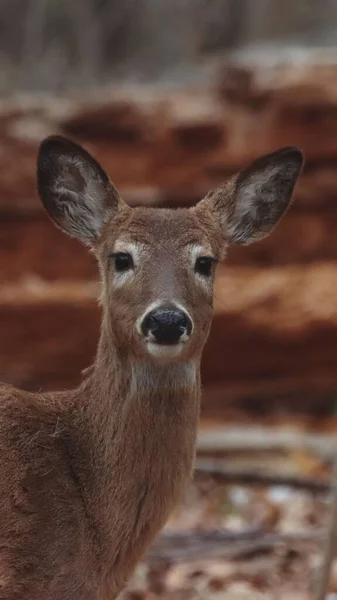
(89, 476)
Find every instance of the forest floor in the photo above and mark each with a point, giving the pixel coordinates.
(252, 523)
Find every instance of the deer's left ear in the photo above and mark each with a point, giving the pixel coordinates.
(75, 190)
(252, 202)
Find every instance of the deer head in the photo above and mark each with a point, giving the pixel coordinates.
(158, 265)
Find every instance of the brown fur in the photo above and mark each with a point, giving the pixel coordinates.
(89, 476)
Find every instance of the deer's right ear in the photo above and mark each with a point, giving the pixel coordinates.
(250, 204)
(74, 189)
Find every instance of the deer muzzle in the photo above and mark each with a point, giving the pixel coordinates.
(166, 324)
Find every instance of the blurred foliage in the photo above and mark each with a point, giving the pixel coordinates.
(56, 44)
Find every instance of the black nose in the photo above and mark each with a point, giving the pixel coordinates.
(166, 324)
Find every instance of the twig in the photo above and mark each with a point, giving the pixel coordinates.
(328, 553)
(223, 544)
(224, 473)
(253, 438)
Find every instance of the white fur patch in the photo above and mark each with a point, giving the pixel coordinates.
(196, 251)
(155, 377)
(134, 250)
(164, 351)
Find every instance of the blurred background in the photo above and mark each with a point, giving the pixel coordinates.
(173, 96)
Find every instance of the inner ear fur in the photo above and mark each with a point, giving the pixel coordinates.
(74, 189)
(251, 203)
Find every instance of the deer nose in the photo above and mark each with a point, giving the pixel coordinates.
(167, 324)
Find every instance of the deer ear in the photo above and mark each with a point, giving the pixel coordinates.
(74, 189)
(251, 203)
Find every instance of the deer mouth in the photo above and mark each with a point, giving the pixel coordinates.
(165, 342)
(161, 349)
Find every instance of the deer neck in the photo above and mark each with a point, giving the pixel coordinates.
(140, 420)
(126, 383)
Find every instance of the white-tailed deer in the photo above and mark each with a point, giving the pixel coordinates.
(89, 476)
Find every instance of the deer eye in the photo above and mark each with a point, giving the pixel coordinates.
(123, 261)
(204, 265)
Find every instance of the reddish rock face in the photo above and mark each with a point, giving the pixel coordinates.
(275, 324)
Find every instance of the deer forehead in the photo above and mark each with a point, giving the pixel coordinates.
(161, 231)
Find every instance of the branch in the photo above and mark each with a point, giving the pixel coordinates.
(228, 474)
(254, 438)
(173, 546)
